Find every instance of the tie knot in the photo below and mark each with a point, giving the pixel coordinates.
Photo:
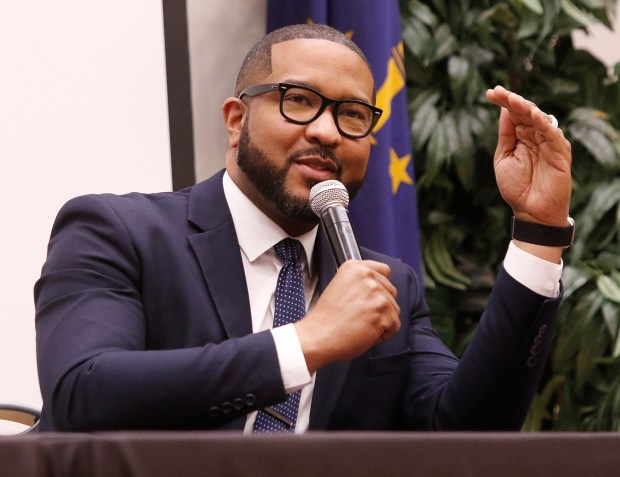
(289, 250)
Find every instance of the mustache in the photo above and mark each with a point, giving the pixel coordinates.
(322, 152)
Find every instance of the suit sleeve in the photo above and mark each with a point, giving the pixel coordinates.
(94, 369)
(492, 386)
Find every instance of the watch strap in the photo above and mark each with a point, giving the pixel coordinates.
(546, 235)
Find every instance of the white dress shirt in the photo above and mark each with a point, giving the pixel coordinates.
(257, 235)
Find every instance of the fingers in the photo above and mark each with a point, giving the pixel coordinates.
(532, 159)
(380, 292)
(355, 312)
(521, 110)
(520, 113)
(547, 134)
(383, 275)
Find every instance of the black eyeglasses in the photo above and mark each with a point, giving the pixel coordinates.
(302, 105)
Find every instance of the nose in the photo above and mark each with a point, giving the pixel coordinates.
(323, 130)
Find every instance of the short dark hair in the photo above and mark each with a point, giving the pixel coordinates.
(257, 63)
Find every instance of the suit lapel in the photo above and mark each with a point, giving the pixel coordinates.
(217, 251)
(330, 379)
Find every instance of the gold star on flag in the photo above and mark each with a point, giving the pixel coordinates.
(398, 170)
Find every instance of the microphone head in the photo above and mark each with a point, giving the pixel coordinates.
(328, 193)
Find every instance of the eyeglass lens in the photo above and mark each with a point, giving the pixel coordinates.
(299, 104)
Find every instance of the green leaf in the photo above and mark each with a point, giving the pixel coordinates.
(610, 258)
(424, 122)
(477, 54)
(595, 4)
(593, 345)
(452, 133)
(513, 44)
(551, 9)
(603, 199)
(609, 288)
(542, 402)
(502, 14)
(444, 44)
(458, 72)
(423, 13)
(581, 17)
(610, 317)
(417, 38)
(483, 126)
(576, 323)
(533, 5)
(529, 26)
(594, 119)
(597, 143)
(424, 98)
(440, 264)
(438, 152)
(573, 279)
(461, 146)
(441, 7)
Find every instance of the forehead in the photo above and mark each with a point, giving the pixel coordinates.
(333, 69)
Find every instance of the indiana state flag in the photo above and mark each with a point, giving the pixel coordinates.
(384, 213)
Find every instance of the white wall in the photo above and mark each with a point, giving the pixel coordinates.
(600, 41)
(83, 108)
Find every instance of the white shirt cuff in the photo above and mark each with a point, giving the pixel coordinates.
(293, 366)
(538, 275)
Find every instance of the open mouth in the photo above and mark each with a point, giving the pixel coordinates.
(318, 163)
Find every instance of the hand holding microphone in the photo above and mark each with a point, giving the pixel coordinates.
(358, 309)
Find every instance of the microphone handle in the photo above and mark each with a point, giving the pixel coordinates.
(337, 224)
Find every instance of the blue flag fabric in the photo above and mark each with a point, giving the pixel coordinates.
(384, 213)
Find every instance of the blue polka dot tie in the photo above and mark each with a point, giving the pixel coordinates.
(290, 307)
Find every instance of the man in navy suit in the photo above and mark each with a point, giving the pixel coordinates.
(155, 311)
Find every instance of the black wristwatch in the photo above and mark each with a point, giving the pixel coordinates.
(546, 235)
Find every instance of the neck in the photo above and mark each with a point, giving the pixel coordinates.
(291, 225)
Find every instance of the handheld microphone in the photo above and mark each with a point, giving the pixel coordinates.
(329, 200)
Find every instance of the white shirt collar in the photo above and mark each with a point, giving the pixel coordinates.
(257, 233)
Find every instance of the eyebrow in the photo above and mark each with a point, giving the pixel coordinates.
(312, 85)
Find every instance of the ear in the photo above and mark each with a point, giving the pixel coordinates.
(234, 111)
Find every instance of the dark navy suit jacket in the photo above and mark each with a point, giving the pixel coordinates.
(143, 322)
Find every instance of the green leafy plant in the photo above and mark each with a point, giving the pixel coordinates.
(455, 50)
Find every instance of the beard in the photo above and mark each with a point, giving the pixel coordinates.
(270, 180)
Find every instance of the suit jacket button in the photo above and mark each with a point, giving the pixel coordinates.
(542, 329)
(238, 404)
(532, 361)
(226, 407)
(534, 350)
(250, 400)
(214, 411)
(538, 339)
